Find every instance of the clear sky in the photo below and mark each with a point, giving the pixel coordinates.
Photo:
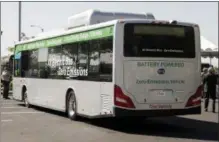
(53, 15)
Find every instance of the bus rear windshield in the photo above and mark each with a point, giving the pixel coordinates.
(152, 40)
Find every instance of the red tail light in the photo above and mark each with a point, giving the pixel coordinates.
(120, 99)
(195, 99)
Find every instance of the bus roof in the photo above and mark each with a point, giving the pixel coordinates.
(94, 16)
(90, 27)
(66, 32)
(21, 46)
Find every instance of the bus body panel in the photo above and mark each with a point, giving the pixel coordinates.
(17, 88)
(93, 98)
(158, 97)
(148, 85)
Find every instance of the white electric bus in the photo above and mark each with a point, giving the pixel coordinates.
(117, 68)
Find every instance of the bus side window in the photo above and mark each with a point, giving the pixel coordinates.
(17, 65)
(33, 68)
(94, 60)
(44, 69)
(17, 70)
(70, 56)
(54, 55)
(106, 59)
(24, 64)
(82, 66)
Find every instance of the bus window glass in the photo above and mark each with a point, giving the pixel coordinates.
(151, 40)
(17, 65)
(54, 63)
(106, 59)
(42, 60)
(82, 70)
(33, 63)
(94, 60)
(69, 60)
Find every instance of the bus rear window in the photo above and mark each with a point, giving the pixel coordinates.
(152, 40)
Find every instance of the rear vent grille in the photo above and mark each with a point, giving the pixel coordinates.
(105, 103)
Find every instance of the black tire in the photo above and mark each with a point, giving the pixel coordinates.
(71, 106)
(25, 99)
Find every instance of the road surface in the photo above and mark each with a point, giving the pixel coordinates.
(20, 124)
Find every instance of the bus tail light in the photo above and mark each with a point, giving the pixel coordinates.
(195, 99)
(120, 99)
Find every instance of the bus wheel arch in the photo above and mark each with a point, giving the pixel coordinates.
(71, 101)
(25, 96)
(24, 89)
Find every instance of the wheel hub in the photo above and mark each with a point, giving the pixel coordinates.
(71, 107)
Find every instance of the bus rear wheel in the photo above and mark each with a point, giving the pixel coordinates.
(72, 106)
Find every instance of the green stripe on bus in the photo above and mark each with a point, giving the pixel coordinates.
(71, 38)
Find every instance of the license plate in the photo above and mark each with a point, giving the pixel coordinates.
(161, 93)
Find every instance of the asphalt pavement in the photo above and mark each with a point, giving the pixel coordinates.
(20, 124)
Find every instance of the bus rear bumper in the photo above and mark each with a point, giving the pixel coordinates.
(119, 112)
